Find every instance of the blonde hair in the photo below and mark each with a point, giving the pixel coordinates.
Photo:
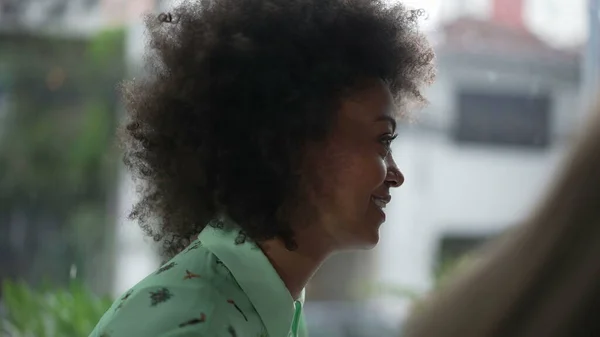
(541, 280)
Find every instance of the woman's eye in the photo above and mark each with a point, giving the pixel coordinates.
(386, 141)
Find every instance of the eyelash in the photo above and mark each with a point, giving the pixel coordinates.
(386, 141)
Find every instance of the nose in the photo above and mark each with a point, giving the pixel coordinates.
(394, 177)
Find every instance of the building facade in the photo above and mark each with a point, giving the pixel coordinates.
(478, 158)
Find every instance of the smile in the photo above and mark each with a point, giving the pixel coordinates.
(380, 202)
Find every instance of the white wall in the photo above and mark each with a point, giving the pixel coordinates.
(135, 257)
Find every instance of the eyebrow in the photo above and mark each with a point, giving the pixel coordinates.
(387, 119)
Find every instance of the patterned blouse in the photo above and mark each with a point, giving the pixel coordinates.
(217, 287)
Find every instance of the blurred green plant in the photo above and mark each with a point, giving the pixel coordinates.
(58, 160)
(50, 312)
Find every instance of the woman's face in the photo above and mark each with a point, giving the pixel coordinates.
(354, 171)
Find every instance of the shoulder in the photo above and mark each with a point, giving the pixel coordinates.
(167, 311)
(184, 297)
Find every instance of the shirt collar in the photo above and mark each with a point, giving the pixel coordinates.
(255, 275)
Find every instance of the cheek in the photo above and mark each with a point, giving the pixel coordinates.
(361, 175)
(379, 170)
(344, 177)
(367, 166)
(330, 176)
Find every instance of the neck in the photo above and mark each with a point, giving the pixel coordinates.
(296, 267)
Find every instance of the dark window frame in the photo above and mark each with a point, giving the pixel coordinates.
(503, 119)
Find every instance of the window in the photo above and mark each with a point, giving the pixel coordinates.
(503, 119)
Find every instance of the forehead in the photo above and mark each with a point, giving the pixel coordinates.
(373, 103)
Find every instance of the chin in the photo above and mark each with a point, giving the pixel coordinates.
(370, 244)
(357, 235)
(365, 240)
(361, 246)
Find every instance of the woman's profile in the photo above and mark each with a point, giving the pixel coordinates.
(264, 127)
(541, 279)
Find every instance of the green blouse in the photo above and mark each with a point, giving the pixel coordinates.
(217, 287)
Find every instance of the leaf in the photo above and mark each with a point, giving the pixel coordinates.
(58, 312)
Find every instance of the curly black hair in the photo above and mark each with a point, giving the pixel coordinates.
(234, 91)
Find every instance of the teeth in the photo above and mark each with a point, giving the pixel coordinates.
(380, 203)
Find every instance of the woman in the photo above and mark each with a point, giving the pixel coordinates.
(542, 279)
(265, 126)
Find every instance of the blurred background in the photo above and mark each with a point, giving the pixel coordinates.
(515, 79)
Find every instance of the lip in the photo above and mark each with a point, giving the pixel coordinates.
(383, 198)
(380, 201)
(379, 211)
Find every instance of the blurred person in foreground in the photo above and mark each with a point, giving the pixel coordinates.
(542, 279)
(266, 127)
